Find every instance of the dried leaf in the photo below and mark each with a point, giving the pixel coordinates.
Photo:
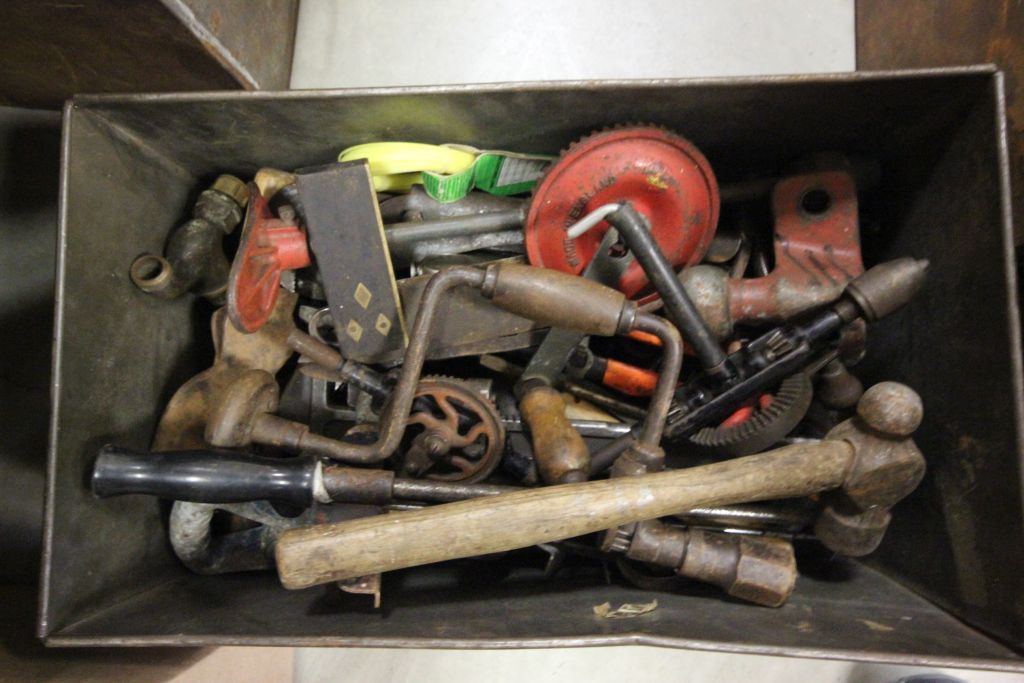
(875, 626)
(625, 611)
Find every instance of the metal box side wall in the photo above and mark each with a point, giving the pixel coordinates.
(117, 354)
(53, 51)
(957, 539)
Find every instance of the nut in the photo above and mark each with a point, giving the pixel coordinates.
(232, 187)
(617, 540)
(761, 570)
(766, 571)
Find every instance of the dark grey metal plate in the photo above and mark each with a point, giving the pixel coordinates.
(346, 236)
(847, 611)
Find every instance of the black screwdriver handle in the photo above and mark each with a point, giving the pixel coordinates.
(203, 476)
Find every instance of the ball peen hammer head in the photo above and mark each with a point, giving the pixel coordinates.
(886, 467)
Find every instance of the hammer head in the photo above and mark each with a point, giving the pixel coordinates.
(887, 466)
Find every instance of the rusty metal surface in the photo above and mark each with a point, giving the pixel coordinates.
(887, 468)
(53, 50)
(184, 420)
(760, 570)
(245, 416)
(252, 40)
(467, 323)
(914, 34)
(194, 259)
(459, 437)
(817, 249)
(765, 426)
(661, 174)
(817, 252)
(937, 137)
(949, 539)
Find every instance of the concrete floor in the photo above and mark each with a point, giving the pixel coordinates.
(408, 42)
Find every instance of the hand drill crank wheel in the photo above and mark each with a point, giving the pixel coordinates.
(462, 436)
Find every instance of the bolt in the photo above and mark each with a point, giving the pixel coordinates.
(435, 444)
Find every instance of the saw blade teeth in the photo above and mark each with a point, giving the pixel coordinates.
(586, 138)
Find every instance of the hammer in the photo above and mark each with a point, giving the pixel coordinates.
(869, 460)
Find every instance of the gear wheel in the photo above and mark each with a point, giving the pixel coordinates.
(765, 426)
(462, 436)
(664, 176)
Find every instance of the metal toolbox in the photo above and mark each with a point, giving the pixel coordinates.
(946, 586)
(54, 51)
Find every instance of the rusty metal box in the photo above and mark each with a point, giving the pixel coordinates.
(53, 50)
(947, 587)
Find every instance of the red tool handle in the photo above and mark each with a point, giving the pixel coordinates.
(268, 247)
(626, 378)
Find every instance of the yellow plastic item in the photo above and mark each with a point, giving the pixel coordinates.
(396, 166)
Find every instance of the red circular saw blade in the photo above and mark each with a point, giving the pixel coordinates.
(664, 176)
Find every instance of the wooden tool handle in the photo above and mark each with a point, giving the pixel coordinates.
(562, 456)
(332, 552)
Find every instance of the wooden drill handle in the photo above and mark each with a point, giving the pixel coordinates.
(561, 454)
(332, 552)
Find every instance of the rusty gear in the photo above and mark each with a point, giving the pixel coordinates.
(765, 426)
(462, 437)
(664, 176)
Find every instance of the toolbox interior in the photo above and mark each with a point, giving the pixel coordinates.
(947, 583)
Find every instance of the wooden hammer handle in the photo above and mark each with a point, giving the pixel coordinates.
(332, 552)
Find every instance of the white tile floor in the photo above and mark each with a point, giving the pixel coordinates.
(355, 43)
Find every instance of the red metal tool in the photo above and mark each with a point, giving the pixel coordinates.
(817, 252)
(268, 247)
(664, 176)
(817, 249)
